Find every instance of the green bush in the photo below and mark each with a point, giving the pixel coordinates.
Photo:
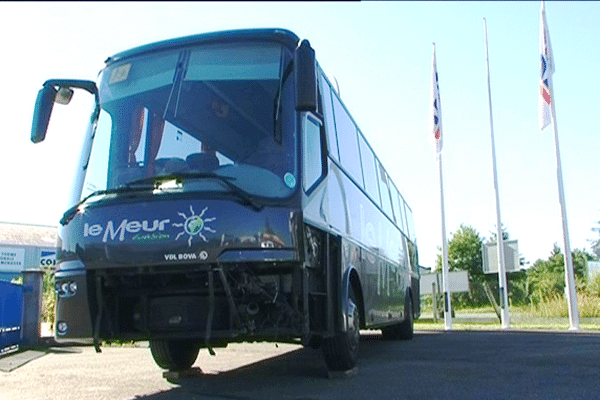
(540, 286)
(48, 296)
(592, 287)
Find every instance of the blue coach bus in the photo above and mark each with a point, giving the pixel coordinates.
(225, 194)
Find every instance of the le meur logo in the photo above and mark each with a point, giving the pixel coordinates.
(193, 226)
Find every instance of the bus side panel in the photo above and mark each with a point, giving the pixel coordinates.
(384, 268)
(415, 279)
(313, 210)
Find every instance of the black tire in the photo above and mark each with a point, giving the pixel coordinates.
(405, 329)
(341, 351)
(174, 355)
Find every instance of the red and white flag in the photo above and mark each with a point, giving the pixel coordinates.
(435, 109)
(546, 71)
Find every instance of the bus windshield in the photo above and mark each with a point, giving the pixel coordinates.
(199, 111)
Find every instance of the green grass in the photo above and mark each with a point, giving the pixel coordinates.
(550, 314)
(424, 324)
(589, 307)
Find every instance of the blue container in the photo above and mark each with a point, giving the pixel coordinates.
(11, 316)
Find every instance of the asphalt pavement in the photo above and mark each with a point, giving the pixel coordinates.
(434, 365)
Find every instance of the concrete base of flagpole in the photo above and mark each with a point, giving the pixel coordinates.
(505, 319)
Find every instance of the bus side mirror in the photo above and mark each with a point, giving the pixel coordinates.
(306, 78)
(42, 112)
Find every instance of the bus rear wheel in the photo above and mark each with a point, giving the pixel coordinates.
(341, 351)
(174, 355)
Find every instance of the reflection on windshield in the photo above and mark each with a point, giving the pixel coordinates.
(225, 110)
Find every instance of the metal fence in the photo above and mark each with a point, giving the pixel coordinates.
(11, 316)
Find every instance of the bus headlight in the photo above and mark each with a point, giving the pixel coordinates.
(66, 288)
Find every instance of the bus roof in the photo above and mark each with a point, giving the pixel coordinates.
(283, 36)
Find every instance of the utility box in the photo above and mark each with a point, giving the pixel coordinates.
(458, 282)
(11, 316)
(32, 306)
(511, 257)
(26, 252)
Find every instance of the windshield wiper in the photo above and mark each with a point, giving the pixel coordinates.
(241, 193)
(154, 183)
(178, 78)
(70, 213)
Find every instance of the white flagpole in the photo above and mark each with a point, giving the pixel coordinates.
(569, 274)
(502, 282)
(436, 132)
(445, 273)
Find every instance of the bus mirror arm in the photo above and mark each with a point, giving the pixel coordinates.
(306, 77)
(46, 98)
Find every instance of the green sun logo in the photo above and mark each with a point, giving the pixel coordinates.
(194, 225)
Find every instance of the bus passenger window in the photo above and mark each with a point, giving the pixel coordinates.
(383, 189)
(368, 167)
(395, 204)
(348, 141)
(329, 121)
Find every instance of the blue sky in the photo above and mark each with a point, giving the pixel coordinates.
(380, 54)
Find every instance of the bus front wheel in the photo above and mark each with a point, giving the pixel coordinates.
(341, 351)
(174, 355)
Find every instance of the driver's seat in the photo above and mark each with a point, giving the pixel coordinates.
(202, 161)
